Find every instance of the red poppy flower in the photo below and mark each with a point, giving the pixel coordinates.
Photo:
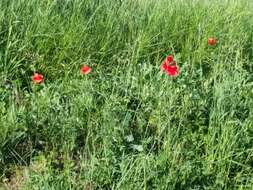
(169, 59)
(170, 66)
(167, 62)
(85, 70)
(37, 78)
(172, 70)
(212, 41)
(164, 66)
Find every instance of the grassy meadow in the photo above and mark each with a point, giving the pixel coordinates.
(126, 125)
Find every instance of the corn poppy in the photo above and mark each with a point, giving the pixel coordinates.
(212, 41)
(85, 70)
(170, 66)
(37, 78)
(167, 62)
(172, 70)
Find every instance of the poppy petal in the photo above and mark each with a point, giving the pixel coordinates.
(37, 78)
(85, 70)
(172, 71)
(164, 66)
(211, 41)
(169, 59)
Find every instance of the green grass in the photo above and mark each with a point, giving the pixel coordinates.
(126, 125)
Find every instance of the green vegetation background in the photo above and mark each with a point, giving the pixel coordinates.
(126, 125)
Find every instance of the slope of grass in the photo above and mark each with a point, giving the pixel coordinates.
(126, 125)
